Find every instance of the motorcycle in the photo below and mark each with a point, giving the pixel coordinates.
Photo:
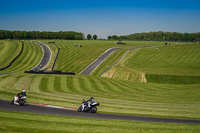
(20, 102)
(90, 107)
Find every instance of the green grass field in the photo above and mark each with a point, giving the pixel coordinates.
(29, 58)
(171, 60)
(132, 98)
(75, 59)
(8, 51)
(122, 84)
(175, 64)
(30, 122)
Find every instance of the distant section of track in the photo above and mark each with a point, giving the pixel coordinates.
(89, 69)
(5, 105)
(46, 56)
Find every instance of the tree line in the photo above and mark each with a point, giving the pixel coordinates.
(69, 35)
(159, 36)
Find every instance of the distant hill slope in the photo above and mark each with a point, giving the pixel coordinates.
(168, 64)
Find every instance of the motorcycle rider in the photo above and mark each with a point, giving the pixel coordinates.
(18, 96)
(87, 103)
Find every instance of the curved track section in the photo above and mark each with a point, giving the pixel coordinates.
(89, 69)
(5, 105)
(46, 56)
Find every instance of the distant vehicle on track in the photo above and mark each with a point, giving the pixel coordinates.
(52, 42)
(120, 42)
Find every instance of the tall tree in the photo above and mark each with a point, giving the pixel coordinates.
(89, 36)
(95, 37)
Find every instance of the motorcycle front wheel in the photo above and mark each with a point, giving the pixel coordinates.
(80, 109)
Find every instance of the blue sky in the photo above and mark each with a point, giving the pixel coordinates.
(101, 17)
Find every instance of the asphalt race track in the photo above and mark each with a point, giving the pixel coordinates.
(46, 56)
(5, 105)
(98, 61)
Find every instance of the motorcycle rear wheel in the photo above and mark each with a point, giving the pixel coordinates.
(12, 102)
(93, 110)
(21, 103)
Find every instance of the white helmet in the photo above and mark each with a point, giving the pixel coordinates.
(23, 91)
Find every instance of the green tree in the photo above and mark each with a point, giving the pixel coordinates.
(115, 37)
(78, 37)
(95, 37)
(89, 36)
(109, 37)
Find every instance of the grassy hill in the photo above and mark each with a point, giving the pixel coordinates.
(171, 60)
(75, 58)
(8, 51)
(29, 58)
(175, 64)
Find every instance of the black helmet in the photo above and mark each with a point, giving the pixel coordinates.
(91, 98)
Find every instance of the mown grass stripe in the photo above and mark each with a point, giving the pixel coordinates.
(70, 83)
(43, 84)
(57, 84)
(50, 84)
(35, 84)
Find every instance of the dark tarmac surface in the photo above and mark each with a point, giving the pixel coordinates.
(5, 105)
(98, 61)
(46, 56)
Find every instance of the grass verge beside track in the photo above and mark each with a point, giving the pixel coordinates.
(31, 122)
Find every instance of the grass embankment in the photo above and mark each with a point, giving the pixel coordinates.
(30, 122)
(121, 72)
(175, 64)
(8, 51)
(29, 58)
(75, 58)
(178, 64)
(115, 96)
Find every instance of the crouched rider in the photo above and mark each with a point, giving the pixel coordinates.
(18, 97)
(87, 103)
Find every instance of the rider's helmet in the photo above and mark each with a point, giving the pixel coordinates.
(23, 91)
(91, 98)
